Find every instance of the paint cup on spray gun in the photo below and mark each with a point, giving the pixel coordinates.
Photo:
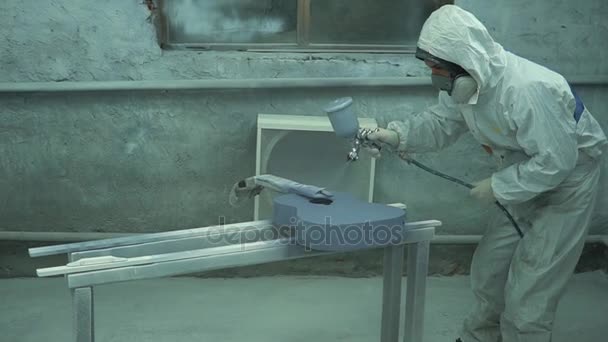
(346, 125)
(344, 122)
(342, 118)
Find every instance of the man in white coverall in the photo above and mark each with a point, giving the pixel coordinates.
(514, 109)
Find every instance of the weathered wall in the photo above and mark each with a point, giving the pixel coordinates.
(151, 161)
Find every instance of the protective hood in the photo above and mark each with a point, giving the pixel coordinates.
(456, 36)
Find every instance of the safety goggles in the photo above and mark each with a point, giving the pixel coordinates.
(436, 62)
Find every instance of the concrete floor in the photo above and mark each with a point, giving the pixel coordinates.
(264, 309)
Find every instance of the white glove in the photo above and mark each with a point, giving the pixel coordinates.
(483, 192)
(381, 136)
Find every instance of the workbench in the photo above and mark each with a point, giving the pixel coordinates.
(182, 252)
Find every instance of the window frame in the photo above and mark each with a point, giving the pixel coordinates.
(302, 44)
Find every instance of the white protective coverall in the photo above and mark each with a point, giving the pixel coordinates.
(525, 111)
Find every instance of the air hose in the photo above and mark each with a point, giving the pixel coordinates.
(465, 184)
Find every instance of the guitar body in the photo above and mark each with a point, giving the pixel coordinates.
(343, 223)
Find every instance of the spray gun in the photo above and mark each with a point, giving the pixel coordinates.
(346, 125)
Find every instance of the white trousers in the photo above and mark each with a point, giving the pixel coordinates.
(517, 283)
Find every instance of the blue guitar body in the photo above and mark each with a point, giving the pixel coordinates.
(342, 223)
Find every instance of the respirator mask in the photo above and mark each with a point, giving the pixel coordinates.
(459, 84)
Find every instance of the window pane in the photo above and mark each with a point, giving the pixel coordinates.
(368, 22)
(231, 21)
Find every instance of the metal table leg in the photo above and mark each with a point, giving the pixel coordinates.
(83, 320)
(391, 293)
(417, 269)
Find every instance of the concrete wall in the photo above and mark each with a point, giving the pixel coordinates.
(153, 161)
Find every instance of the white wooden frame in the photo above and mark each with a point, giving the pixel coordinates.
(286, 123)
